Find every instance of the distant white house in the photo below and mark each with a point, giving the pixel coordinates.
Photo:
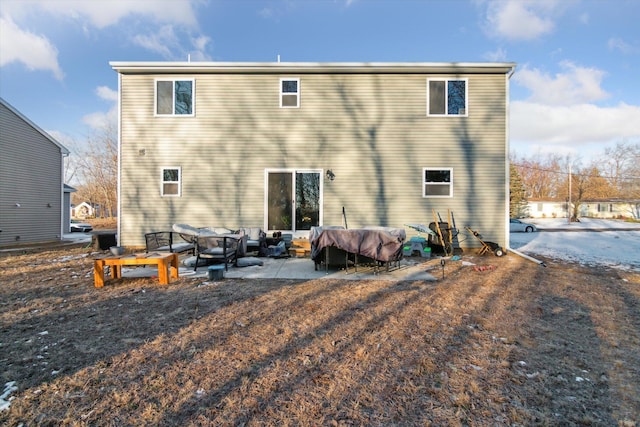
(82, 210)
(591, 208)
(541, 208)
(610, 208)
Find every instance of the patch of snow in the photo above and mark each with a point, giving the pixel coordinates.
(5, 397)
(587, 242)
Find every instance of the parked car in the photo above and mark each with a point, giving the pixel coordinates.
(515, 225)
(82, 227)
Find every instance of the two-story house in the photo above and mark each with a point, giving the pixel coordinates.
(287, 146)
(34, 203)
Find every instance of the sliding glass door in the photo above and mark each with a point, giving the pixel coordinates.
(293, 199)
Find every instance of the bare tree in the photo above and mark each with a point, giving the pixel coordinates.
(541, 176)
(97, 170)
(621, 165)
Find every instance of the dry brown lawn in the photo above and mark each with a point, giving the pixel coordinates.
(517, 344)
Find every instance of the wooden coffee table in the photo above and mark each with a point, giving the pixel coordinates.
(167, 266)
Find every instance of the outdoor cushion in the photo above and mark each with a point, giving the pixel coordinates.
(248, 261)
(219, 230)
(186, 229)
(213, 251)
(252, 233)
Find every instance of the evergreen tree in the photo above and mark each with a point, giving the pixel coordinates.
(517, 194)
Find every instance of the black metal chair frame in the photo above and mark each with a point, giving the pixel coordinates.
(164, 241)
(226, 255)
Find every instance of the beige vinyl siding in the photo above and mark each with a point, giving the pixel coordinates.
(371, 130)
(30, 175)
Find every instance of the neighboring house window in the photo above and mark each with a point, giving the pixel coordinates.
(437, 182)
(175, 97)
(289, 93)
(171, 181)
(446, 97)
(540, 207)
(610, 207)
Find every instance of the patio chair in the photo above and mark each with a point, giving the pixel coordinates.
(256, 238)
(167, 241)
(217, 248)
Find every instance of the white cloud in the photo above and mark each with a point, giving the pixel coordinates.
(101, 119)
(102, 14)
(574, 125)
(584, 18)
(574, 85)
(624, 47)
(34, 51)
(562, 116)
(498, 55)
(107, 93)
(160, 42)
(38, 52)
(520, 19)
(167, 43)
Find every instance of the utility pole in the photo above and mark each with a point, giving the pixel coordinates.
(569, 204)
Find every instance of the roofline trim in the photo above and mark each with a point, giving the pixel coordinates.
(11, 108)
(314, 67)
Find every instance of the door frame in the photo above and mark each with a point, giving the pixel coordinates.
(292, 171)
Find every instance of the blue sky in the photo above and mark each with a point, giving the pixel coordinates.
(576, 89)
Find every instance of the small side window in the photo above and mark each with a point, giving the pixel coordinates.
(289, 93)
(171, 178)
(437, 182)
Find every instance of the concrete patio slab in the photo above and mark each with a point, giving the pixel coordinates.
(303, 269)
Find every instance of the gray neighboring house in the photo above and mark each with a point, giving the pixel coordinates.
(31, 181)
(287, 146)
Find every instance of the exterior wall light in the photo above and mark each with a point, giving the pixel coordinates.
(330, 175)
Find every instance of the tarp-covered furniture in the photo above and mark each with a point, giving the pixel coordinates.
(380, 245)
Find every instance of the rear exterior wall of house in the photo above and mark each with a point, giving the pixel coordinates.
(371, 130)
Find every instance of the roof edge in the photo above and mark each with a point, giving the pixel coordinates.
(314, 67)
(11, 108)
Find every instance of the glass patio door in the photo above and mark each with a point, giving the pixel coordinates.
(293, 200)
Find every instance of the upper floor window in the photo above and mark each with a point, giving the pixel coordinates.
(171, 178)
(437, 182)
(289, 93)
(446, 97)
(175, 97)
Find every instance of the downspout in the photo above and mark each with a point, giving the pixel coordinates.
(508, 180)
(118, 189)
(507, 172)
(527, 257)
(62, 206)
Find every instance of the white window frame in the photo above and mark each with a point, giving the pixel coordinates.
(446, 96)
(424, 183)
(163, 182)
(173, 100)
(282, 93)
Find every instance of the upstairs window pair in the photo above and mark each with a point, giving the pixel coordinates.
(175, 97)
(446, 97)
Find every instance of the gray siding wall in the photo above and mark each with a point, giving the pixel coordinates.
(31, 176)
(371, 130)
